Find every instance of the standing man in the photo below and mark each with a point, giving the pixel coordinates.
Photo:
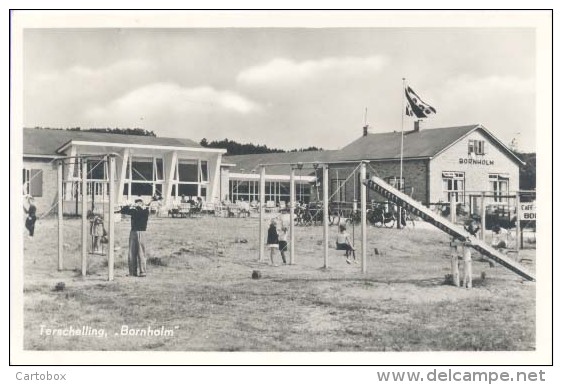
(139, 219)
(31, 212)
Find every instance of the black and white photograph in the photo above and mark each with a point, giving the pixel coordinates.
(281, 182)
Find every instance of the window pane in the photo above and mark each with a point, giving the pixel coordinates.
(142, 169)
(96, 169)
(187, 171)
(141, 189)
(189, 190)
(204, 171)
(242, 187)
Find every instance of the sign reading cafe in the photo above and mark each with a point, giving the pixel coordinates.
(528, 211)
(483, 162)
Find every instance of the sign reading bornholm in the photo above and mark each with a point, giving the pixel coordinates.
(483, 162)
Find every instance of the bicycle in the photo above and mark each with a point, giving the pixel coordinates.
(353, 218)
(380, 217)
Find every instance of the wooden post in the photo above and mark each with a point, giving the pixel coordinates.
(483, 216)
(453, 208)
(262, 209)
(467, 266)
(111, 216)
(467, 274)
(325, 186)
(84, 196)
(363, 173)
(455, 269)
(60, 214)
(518, 232)
(292, 206)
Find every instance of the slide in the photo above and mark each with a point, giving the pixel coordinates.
(416, 208)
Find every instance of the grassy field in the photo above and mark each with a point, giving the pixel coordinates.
(199, 286)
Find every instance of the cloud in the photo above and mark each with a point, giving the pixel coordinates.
(87, 82)
(280, 71)
(161, 99)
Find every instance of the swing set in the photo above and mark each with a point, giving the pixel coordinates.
(323, 206)
(75, 180)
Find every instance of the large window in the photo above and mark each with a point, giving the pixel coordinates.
(96, 176)
(476, 147)
(499, 185)
(453, 186)
(191, 178)
(144, 177)
(249, 191)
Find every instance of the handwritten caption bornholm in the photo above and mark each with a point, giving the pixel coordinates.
(124, 331)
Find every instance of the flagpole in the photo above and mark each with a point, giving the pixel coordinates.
(399, 220)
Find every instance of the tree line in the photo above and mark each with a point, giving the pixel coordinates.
(234, 148)
(106, 130)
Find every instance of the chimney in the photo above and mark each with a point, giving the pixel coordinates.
(365, 130)
(417, 125)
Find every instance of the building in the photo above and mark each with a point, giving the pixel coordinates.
(145, 166)
(241, 174)
(439, 165)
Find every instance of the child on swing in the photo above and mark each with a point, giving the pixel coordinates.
(344, 243)
(97, 231)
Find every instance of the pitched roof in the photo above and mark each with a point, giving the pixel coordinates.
(248, 163)
(417, 144)
(38, 141)
(426, 143)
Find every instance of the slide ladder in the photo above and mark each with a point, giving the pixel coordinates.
(416, 208)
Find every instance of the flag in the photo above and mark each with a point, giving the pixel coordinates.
(415, 106)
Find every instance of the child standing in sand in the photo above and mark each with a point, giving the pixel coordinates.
(467, 262)
(272, 240)
(283, 243)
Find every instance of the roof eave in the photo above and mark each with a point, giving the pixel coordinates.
(145, 146)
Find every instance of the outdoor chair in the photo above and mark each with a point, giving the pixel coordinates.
(154, 208)
(244, 209)
(270, 207)
(184, 209)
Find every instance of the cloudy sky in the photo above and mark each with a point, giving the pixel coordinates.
(286, 88)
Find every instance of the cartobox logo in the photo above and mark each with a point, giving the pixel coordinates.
(20, 376)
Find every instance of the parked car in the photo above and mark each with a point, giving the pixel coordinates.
(500, 214)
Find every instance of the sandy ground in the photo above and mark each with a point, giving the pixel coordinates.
(199, 286)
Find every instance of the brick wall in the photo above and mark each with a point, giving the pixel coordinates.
(49, 183)
(414, 173)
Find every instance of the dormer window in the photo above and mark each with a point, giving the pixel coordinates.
(475, 147)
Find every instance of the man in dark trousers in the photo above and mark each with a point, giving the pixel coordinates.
(139, 219)
(31, 212)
